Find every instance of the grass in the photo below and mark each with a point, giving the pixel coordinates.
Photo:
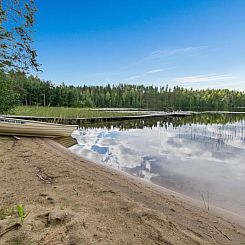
(19, 237)
(21, 212)
(41, 111)
(5, 212)
(205, 202)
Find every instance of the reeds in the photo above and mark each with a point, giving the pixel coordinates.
(64, 112)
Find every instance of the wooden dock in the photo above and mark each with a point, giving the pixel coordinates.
(81, 121)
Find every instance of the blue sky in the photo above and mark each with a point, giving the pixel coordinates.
(190, 43)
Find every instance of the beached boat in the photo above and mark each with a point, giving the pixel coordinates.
(19, 127)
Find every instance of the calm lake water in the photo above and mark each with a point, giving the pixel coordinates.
(202, 156)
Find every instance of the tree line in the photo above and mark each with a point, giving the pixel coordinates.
(32, 91)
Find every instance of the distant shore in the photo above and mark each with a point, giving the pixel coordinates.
(118, 118)
(74, 201)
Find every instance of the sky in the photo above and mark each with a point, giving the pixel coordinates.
(189, 43)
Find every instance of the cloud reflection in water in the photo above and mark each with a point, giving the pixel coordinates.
(192, 159)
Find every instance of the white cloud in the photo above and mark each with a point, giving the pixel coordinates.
(205, 78)
(155, 71)
(173, 52)
(132, 77)
(159, 70)
(165, 53)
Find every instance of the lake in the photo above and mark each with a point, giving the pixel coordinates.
(201, 156)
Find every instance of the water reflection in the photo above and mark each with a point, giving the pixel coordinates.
(187, 155)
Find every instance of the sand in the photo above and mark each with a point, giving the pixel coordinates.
(70, 200)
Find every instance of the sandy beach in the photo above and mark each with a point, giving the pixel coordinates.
(70, 200)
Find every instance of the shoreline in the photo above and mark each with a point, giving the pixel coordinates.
(218, 211)
(80, 121)
(75, 201)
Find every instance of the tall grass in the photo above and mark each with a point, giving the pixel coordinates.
(41, 111)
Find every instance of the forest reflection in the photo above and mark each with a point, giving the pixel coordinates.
(203, 118)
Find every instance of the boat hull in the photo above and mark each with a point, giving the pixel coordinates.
(36, 129)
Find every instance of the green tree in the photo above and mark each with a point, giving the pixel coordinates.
(7, 98)
(16, 29)
(16, 51)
